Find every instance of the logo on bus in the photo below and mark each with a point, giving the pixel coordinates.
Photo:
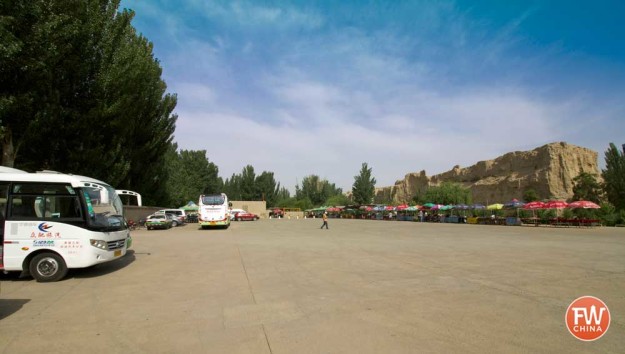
(43, 243)
(43, 227)
(587, 318)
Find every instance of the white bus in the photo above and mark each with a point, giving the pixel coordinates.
(213, 210)
(50, 222)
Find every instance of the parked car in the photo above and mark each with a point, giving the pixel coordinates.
(233, 212)
(175, 220)
(159, 221)
(245, 216)
(179, 215)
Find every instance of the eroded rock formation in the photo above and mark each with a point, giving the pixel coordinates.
(549, 170)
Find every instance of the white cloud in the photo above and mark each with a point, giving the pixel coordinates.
(322, 136)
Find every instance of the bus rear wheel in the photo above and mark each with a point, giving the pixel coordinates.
(47, 267)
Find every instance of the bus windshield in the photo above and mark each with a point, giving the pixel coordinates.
(213, 199)
(104, 207)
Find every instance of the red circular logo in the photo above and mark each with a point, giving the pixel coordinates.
(587, 318)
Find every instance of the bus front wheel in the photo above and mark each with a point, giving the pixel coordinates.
(47, 267)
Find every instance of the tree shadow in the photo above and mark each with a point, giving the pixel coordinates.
(11, 306)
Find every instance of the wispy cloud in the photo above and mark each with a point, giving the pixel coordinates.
(250, 14)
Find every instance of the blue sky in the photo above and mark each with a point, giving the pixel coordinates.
(319, 87)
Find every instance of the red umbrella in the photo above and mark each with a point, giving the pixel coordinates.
(584, 204)
(402, 207)
(534, 205)
(556, 204)
(389, 208)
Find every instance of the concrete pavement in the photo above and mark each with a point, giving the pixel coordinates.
(285, 286)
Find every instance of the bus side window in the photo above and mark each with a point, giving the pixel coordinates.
(67, 207)
(23, 206)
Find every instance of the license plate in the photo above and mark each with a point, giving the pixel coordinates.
(213, 223)
(117, 253)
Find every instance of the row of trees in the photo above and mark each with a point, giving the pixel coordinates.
(81, 92)
(190, 174)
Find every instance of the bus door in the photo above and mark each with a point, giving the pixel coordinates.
(4, 197)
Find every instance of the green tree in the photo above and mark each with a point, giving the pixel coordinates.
(248, 184)
(29, 34)
(338, 199)
(267, 188)
(190, 174)
(530, 195)
(283, 193)
(293, 202)
(614, 176)
(316, 190)
(232, 187)
(448, 193)
(586, 187)
(76, 78)
(363, 189)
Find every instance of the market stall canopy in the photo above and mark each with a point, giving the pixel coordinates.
(191, 206)
(556, 204)
(461, 206)
(402, 207)
(513, 204)
(478, 206)
(583, 204)
(429, 205)
(333, 209)
(495, 206)
(534, 205)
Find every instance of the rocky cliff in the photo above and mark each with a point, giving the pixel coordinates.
(549, 170)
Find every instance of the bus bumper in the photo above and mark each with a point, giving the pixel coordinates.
(215, 223)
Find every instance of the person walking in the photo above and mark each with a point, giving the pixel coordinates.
(325, 220)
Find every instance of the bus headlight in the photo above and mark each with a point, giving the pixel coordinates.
(99, 244)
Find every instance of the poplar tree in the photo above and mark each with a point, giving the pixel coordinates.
(614, 176)
(363, 189)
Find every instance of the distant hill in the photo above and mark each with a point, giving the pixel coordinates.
(549, 170)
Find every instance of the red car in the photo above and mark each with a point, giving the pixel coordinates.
(245, 216)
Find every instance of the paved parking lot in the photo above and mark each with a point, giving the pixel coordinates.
(285, 286)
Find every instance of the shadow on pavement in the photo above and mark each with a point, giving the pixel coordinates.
(11, 306)
(104, 268)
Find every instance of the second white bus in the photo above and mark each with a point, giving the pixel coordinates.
(214, 210)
